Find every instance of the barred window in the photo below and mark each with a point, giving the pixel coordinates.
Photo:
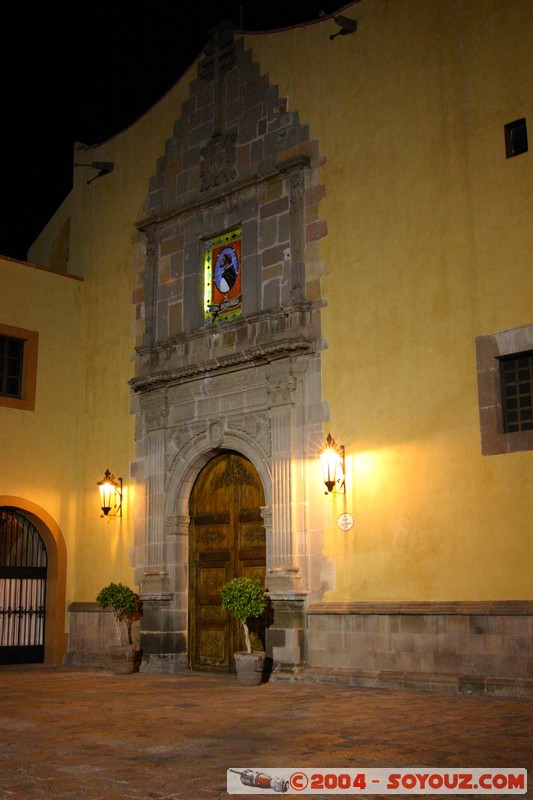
(516, 381)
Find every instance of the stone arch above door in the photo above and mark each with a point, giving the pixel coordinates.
(196, 450)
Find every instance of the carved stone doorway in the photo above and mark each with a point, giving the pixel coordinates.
(227, 540)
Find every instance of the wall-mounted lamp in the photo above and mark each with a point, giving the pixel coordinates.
(110, 495)
(345, 24)
(332, 458)
(103, 167)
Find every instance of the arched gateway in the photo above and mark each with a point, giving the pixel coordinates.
(23, 570)
(31, 521)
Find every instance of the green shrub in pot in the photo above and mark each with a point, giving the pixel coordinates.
(244, 598)
(125, 605)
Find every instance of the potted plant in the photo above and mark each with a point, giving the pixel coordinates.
(245, 598)
(125, 605)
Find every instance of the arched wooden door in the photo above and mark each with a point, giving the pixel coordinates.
(227, 540)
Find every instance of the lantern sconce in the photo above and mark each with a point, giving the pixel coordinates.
(110, 495)
(333, 462)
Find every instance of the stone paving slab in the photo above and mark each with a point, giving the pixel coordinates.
(75, 734)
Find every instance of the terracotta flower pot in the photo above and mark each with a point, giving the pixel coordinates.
(123, 659)
(249, 667)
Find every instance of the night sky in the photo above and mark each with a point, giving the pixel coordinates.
(84, 72)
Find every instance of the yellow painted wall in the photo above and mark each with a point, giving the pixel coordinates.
(429, 245)
(103, 247)
(38, 449)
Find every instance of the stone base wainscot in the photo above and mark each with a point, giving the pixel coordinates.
(92, 632)
(469, 648)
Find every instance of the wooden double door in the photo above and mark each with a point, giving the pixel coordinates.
(227, 540)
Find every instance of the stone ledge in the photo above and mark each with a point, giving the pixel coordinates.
(467, 607)
(434, 683)
(79, 607)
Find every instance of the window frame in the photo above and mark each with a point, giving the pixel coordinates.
(489, 352)
(513, 377)
(26, 401)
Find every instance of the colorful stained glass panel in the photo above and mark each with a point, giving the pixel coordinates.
(222, 278)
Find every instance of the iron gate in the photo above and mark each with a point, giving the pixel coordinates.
(23, 565)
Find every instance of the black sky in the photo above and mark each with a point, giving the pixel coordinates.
(84, 72)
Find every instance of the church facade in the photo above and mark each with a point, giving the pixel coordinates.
(279, 254)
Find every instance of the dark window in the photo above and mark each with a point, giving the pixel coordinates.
(18, 367)
(11, 364)
(515, 138)
(517, 381)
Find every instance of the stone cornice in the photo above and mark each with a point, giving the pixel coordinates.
(468, 607)
(249, 358)
(218, 194)
(255, 340)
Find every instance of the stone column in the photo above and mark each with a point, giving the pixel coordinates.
(154, 588)
(281, 389)
(286, 634)
(173, 655)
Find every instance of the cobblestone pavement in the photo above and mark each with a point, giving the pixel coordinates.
(92, 735)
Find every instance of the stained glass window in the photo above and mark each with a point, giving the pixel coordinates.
(222, 278)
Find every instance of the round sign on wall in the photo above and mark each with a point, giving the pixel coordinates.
(345, 522)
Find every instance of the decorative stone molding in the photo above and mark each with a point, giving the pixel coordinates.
(177, 526)
(297, 183)
(263, 338)
(284, 583)
(216, 433)
(155, 411)
(235, 473)
(181, 438)
(255, 427)
(259, 355)
(218, 160)
(196, 206)
(281, 389)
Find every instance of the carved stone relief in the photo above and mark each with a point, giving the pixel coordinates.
(216, 434)
(235, 473)
(255, 427)
(218, 160)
